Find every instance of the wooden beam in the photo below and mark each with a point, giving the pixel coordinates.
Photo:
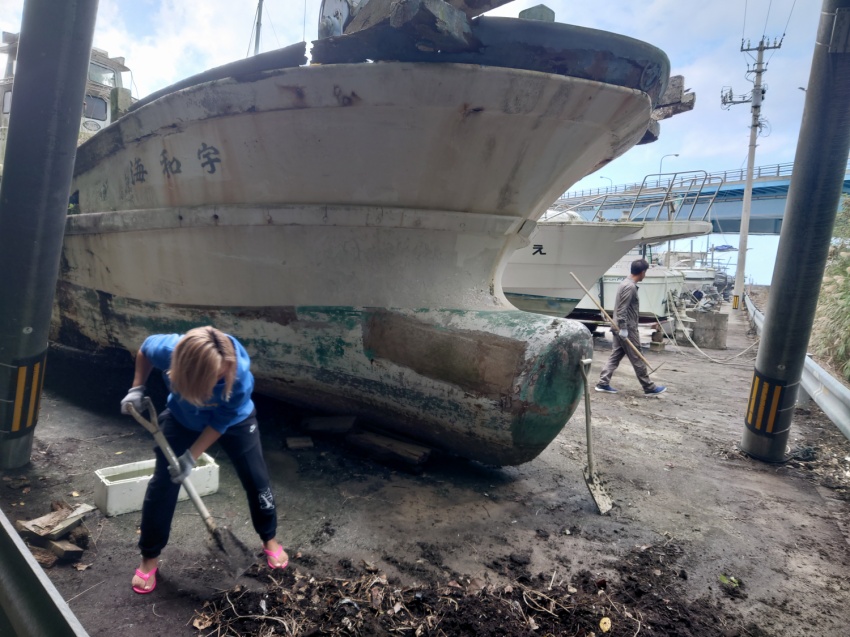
(389, 449)
(65, 550)
(299, 442)
(330, 424)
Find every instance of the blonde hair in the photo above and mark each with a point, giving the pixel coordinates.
(197, 363)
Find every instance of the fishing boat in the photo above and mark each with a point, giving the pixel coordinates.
(538, 277)
(350, 220)
(586, 237)
(656, 293)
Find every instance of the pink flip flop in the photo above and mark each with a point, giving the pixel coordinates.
(146, 577)
(277, 557)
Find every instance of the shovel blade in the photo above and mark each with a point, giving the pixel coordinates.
(230, 551)
(598, 492)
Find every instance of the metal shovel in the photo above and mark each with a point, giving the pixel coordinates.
(600, 495)
(227, 547)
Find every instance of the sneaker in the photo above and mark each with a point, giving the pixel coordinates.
(606, 388)
(659, 389)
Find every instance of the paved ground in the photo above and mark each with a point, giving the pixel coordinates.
(671, 464)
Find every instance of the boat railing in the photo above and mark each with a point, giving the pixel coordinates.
(686, 196)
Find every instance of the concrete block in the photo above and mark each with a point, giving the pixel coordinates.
(656, 347)
(710, 329)
(121, 489)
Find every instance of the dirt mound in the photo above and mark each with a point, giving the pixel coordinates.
(642, 595)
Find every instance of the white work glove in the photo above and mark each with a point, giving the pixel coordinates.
(187, 463)
(134, 397)
(623, 333)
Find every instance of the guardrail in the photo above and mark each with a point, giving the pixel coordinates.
(662, 179)
(29, 603)
(818, 384)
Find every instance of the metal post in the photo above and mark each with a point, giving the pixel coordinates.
(52, 67)
(259, 26)
(810, 212)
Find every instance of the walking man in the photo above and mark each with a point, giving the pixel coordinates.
(625, 326)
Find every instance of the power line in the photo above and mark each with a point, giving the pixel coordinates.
(764, 30)
(269, 18)
(785, 30)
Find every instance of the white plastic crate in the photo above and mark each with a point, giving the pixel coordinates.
(121, 489)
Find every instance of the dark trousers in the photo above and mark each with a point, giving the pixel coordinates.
(623, 349)
(241, 442)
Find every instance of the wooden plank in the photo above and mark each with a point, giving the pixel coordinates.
(299, 442)
(53, 525)
(389, 449)
(330, 424)
(65, 550)
(71, 521)
(29, 535)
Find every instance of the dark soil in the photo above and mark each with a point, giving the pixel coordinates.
(702, 540)
(644, 597)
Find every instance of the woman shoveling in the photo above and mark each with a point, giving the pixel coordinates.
(208, 374)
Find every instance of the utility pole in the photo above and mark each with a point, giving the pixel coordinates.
(756, 97)
(804, 242)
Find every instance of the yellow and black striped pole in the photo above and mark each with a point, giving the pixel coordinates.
(20, 401)
(41, 144)
(768, 417)
(810, 212)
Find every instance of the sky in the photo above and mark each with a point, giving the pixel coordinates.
(164, 41)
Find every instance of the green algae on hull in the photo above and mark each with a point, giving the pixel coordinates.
(490, 386)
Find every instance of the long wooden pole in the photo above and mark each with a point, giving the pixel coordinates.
(614, 327)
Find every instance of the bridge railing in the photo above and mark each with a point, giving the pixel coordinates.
(664, 180)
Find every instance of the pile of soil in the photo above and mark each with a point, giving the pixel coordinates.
(644, 597)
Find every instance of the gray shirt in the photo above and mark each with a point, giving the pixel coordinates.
(626, 305)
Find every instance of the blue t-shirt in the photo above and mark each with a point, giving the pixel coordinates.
(216, 412)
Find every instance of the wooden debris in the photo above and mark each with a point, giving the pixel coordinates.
(437, 23)
(65, 550)
(53, 525)
(389, 449)
(330, 424)
(43, 556)
(80, 536)
(299, 442)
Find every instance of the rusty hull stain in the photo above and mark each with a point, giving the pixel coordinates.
(479, 362)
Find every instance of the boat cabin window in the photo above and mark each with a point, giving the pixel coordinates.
(7, 102)
(101, 74)
(95, 108)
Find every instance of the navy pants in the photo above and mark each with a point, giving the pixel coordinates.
(241, 442)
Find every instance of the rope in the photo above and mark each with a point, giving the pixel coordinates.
(725, 361)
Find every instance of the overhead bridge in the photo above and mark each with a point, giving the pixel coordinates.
(770, 190)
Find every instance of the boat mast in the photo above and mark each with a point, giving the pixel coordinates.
(259, 26)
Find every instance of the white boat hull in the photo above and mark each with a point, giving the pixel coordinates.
(654, 291)
(538, 277)
(351, 229)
